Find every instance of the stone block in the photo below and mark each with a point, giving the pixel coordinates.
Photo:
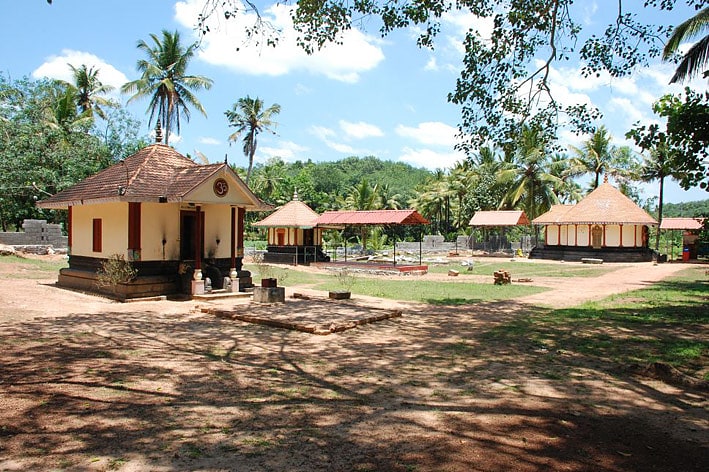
(339, 295)
(197, 287)
(269, 294)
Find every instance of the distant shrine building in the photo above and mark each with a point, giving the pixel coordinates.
(605, 225)
(293, 236)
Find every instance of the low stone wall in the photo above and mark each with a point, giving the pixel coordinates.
(36, 233)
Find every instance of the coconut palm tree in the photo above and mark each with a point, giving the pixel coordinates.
(269, 180)
(596, 157)
(568, 191)
(387, 200)
(250, 118)
(89, 90)
(362, 196)
(531, 184)
(432, 201)
(460, 180)
(164, 79)
(695, 60)
(657, 167)
(61, 112)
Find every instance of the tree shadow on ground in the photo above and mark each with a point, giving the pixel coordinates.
(442, 388)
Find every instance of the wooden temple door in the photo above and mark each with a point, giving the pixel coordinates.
(188, 228)
(597, 237)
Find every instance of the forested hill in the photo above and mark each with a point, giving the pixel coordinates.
(355, 182)
(686, 209)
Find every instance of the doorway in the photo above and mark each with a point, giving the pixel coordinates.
(596, 237)
(188, 235)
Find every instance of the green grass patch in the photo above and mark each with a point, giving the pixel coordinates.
(409, 288)
(33, 268)
(522, 269)
(667, 322)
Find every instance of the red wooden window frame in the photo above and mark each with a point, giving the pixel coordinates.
(134, 225)
(97, 235)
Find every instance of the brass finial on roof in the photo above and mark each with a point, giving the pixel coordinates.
(158, 132)
(605, 178)
(295, 195)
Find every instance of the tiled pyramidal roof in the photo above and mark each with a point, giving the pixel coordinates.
(294, 214)
(605, 205)
(156, 171)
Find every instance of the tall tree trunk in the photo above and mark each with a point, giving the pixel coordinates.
(659, 214)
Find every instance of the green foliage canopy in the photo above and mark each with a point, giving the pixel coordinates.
(685, 138)
(505, 77)
(47, 145)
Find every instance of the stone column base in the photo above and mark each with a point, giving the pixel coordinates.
(197, 287)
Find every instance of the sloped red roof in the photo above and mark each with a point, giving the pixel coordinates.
(682, 223)
(553, 216)
(499, 218)
(294, 214)
(150, 174)
(605, 205)
(371, 217)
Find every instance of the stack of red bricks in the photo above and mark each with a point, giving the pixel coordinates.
(502, 277)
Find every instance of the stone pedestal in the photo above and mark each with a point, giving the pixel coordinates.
(197, 287)
(269, 294)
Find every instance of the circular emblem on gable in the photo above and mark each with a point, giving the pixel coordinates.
(221, 187)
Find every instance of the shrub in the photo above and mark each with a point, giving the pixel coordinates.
(115, 270)
(346, 278)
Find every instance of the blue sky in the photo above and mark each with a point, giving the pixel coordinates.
(369, 96)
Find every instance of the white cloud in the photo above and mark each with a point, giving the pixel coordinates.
(57, 67)
(227, 45)
(429, 158)
(321, 132)
(625, 112)
(342, 148)
(301, 89)
(589, 11)
(463, 21)
(568, 138)
(326, 135)
(209, 141)
(431, 133)
(360, 130)
(431, 65)
(286, 150)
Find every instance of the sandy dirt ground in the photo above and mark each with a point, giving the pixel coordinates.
(88, 384)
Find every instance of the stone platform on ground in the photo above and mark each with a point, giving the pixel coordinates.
(308, 314)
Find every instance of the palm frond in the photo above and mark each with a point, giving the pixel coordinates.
(693, 61)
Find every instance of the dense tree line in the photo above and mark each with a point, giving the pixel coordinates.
(50, 139)
(360, 183)
(687, 209)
